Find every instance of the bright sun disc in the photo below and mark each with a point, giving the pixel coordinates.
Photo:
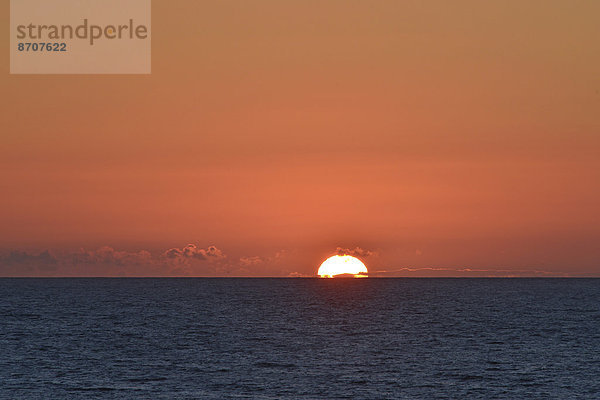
(342, 265)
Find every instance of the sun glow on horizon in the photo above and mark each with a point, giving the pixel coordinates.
(342, 265)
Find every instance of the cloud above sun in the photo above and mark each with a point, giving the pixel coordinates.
(355, 252)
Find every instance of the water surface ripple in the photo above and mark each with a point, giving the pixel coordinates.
(299, 338)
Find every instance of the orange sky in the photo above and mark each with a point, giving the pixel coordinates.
(441, 138)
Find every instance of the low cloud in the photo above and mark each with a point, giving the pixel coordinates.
(16, 261)
(250, 261)
(469, 272)
(22, 257)
(191, 251)
(276, 264)
(189, 260)
(109, 256)
(298, 275)
(192, 260)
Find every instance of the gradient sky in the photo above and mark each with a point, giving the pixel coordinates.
(432, 138)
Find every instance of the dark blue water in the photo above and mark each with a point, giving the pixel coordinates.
(299, 338)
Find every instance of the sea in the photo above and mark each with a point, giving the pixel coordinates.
(299, 338)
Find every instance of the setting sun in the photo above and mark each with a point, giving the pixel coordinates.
(342, 266)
